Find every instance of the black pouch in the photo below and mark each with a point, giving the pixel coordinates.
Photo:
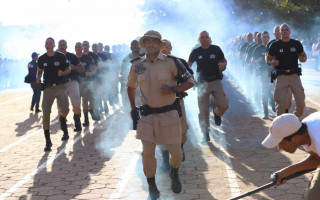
(27, 79)
(144, 110)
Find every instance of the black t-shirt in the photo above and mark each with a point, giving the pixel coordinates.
(33, 68)
(95, 58)
(269, 44)
(87, 63)
(286, 53)
(260, 52)
(207, 60)
(250, 50)
(73, 59)
(51, 65)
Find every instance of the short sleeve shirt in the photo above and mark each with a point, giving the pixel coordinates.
(32, 68)
(73, 59)
(207, 60)
(87, 63)
(51, 65)
(286, 53)
(150, 75)
(313, 125)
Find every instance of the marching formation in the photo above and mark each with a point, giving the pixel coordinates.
(154, 83)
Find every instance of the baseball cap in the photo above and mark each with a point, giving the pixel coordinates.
(152, 34)
(281, 127)
(34, 54)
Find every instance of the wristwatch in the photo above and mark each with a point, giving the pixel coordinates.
(174, 88)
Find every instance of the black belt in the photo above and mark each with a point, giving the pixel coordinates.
(289, 71)
(146, 110)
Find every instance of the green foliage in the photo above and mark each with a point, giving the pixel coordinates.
(300, 13)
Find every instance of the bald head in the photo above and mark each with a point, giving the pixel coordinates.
(204, 39)
(168, 48)
(285, 32)
(135, 46)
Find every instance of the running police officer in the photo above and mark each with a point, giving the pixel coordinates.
(94, 109)
(183, 117)
(56, 68)
(287, 52)
(156, 75)
(264, 71)
(210, 64)
(277, 36)
(125, 68)
(72, 85)
(102, 78)
(86, 82)
(36, 87)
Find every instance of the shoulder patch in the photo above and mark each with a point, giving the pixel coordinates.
(135, 59)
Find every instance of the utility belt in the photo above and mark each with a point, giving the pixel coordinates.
(289, 71)
(49, 82)
(202, 78)
(146, 110)
(275, 73)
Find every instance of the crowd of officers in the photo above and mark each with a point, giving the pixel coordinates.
(160, 80)
(270, 69)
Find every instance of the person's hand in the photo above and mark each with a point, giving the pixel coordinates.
(88, 74)
(165, 89)
(38, 80)
(72, 67)
(279, 176)
(275, 63)
(222, 66)
(60, 72)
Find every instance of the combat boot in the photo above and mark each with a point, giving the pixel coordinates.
(48, 141)
(165, 167)
(183, 155)
(217, 119)
(77, 122)
(86, 119)
(206, 137)
(154, 193)
(64, 128)
(176, 186)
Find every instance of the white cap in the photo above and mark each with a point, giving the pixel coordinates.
(281, 127)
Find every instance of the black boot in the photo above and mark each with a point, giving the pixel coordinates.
(64, 128)
(86, 119)
(206, 137)
(48, 141)
(217, 119)
(176, 186)
(77, 122)
(153, 190)
(165, 167)
(95, 115)
(183, 155)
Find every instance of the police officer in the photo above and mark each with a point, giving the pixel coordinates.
(287, 52)
(155, 74)
(56, 68)
(183, 117)
(36, 87)
(210, 64)
(277, 35)
(95, 114)
(72, 85)
(86, 82)
(263, 71)
(102, 78)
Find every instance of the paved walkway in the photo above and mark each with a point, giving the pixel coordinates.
(104, 161)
